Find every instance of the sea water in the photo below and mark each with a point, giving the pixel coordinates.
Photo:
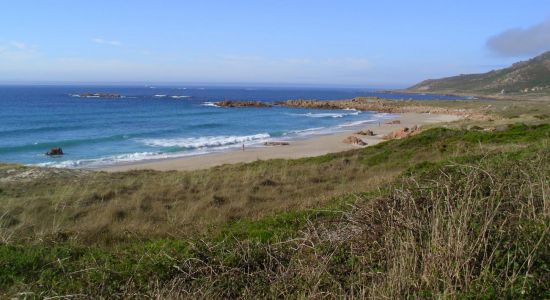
(155, 122)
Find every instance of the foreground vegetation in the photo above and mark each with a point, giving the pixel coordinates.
(448, 213)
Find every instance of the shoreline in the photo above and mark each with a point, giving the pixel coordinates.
(297, 148)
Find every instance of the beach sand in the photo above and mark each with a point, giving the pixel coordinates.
(312, 146)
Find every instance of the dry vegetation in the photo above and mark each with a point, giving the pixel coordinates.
(98, 205)
(451, 230)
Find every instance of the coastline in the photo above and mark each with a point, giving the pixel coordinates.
(297, 148)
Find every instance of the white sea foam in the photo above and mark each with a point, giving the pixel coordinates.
(357, 123)
(308, 131)
(385, 116)
(212, 104)
(160, 96)
(117, 159)
(206, 141)
(328, 115)
(179, 97)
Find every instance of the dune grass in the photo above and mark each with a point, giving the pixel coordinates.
(109, 207)
(446, 213)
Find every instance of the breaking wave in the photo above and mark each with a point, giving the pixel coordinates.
(115, 159)
(205, 141)
(212, 104)
(328, 115)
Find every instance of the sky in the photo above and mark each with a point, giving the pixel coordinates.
(378, 44)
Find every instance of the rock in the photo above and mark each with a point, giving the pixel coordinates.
(228, 103)
(404, 132)
(55, 151)
(367, 132)
(276, 143)
(394, 122)
(353, 140)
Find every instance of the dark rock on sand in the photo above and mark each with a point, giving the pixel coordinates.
(276, 143)
(367, 132)
(404, 132)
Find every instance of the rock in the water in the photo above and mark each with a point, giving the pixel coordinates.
(228, 103)
(367, 132)
(276, 143)
(353, 140)
(55, 151)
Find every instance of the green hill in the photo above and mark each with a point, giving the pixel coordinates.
(530, 77)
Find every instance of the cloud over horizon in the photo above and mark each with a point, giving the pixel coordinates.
(522, 41)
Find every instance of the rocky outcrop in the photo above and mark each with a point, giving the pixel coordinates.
(55, 152)
(312, 104)
(386, 106)
(403, 132)
(229, 103)
(276, 143)
(353, 140)
(366, 132)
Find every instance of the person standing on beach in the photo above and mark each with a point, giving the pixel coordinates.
(243, 147)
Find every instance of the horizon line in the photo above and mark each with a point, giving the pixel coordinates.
(211, 84)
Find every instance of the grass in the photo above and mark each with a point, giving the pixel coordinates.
(443, 214)
(101, 207)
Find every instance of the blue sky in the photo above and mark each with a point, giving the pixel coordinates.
(347, 43)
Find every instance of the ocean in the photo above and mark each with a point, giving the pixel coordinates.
(159, 122)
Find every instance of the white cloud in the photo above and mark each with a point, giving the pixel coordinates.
(522, 41)
(106, 42)
(17, 51)
(19, 45)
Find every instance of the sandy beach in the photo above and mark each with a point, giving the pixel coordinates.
(312, 146)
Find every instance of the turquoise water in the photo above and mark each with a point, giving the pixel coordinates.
(158, 122)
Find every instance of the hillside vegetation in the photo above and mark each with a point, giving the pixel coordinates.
(447, 213)
(527, 78)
